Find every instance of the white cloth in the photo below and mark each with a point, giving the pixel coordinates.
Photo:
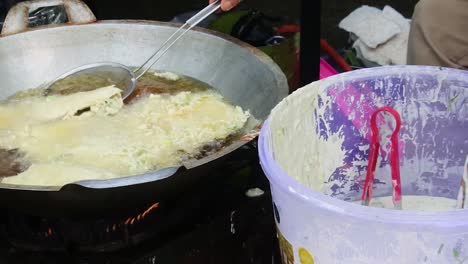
(389, 50)
(370, 26)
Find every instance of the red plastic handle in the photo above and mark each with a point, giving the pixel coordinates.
(335, 56)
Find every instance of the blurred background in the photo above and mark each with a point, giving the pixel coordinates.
(332, 11)
(296, 37)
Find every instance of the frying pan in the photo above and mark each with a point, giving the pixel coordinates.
(29, 56)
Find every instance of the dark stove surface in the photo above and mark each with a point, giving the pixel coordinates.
(244, 235)
(229, 228)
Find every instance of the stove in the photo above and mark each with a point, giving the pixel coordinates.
(218, 223)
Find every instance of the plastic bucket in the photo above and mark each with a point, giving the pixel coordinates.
(318, 226)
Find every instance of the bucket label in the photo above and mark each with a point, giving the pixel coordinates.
(305, 257)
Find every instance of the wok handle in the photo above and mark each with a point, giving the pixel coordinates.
(16, 20)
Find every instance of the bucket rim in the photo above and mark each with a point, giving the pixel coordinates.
(395, 69)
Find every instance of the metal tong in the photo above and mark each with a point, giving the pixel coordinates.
(374, 154)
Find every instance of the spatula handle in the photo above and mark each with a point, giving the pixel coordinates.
(192, 22)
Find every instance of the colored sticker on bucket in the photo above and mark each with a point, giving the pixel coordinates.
(305, 257)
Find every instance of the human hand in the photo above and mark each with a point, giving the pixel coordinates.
(227, 5)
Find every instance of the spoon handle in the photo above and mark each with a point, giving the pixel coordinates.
(192, 22)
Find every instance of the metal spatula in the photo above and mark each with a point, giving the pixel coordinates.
(109, 73)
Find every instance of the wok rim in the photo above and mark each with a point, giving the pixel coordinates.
(164, 173)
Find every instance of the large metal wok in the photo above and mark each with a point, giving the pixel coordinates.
(30, 56)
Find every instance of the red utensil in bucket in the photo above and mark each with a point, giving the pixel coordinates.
(374, 154)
